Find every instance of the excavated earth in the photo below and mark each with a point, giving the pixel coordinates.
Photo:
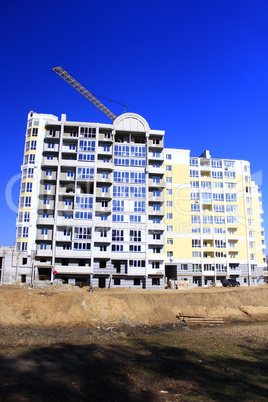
(69, 306)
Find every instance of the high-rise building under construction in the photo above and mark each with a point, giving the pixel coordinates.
(108, 203)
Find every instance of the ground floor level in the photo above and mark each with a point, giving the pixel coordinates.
(125, 274)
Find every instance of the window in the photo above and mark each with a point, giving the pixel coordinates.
(139, 206)
(29, 187)
(67, 202)
(35, 132)
(205, 184)
(169, 228)
(195, 196)
(84, 202)
(81, 233)
(32, 159)
(216, 164)
(184, 267)
(219, 220)
(157, 220)
(169, 203)
(25, 232)
(206, 197)
(118, 218)
(156, 141)
(117, 235)
(134, 248)
(217, 175)
(44, 231)
(156, 193)
(194, 173)
(193, 162)
(25, 160)
(83, 215)
(218, 208)
(168, 156)
(27, 201)
(156, 179)
(48, 172)
(217, 184)
(118, 205)
(169, 168)
(117, 247)
(86, 157)
(169, 216)
(84, 173)
(19, 231)
(156, 265)
(135, 218)
(218, 197)
(30, 173)
(135, 235)
(229, 175)
(46, 201)
(88, 132)
(194, 184)
(195, 207)
(169, 179)
(81, 246)
(196, 243)
(105, 175)
(169, 191)
(169, 241)
(196, 254)
(195, 219)
(87, 145)
(43, 246)
(26, 216)
(104, 204)
(231, 197)
(33, 145)
(170, 254)
(24, 248)
(221, 244)
(156, 207)
(104, 189)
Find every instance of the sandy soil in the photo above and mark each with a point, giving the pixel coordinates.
(65, 306)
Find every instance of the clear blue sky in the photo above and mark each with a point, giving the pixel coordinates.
(194, 68)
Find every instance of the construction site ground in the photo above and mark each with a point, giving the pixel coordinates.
(64, 343)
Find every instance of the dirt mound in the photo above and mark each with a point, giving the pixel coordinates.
(67, 306)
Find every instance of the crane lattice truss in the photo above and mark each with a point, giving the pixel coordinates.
(83, 91)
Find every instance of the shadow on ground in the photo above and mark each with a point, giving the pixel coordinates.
(137, 371)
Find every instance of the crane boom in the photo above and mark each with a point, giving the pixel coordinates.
(83, 91)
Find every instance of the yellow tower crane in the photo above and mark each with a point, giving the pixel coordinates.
(83, 91)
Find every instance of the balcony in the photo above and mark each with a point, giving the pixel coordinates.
(45, 221)
(73, 269)
(153, 183)
(157, 156)
(60, 252)
(52, 176)
(158, 212)
(101, 179)
(102, 194)
(101, 151)
(136, 271)
(71, 163)
(51, 148)
(104, 165)
(43, 253)
(49, 162)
